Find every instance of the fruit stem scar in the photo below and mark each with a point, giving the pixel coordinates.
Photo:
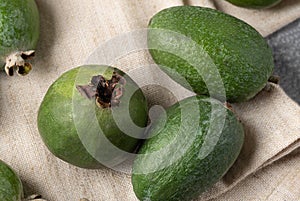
(17, 60)
(107, 93)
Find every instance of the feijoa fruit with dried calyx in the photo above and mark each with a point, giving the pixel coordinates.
(93, 116)
(11, 188)
(19, 33)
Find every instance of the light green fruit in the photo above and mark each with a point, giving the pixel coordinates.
(87, 130)
(224, 50)
(19, 33)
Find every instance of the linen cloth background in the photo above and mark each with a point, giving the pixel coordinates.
(70, 32)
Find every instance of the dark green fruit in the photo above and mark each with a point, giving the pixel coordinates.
(93, 116)
(10, 184)
(254, 3)
(196, 146)
(211, 51)
(19, 33)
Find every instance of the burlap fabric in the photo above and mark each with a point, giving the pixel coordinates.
(70, 32)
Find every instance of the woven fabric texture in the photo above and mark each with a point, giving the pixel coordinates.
(70, 32)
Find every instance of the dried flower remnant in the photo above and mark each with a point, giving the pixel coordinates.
(107, 93)
(34, 197)
(19, 62)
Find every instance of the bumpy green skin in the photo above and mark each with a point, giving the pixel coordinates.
(254, 3)
(241, 55)
(10, 184)
(59, 130)
(19, 26)
(190, 175)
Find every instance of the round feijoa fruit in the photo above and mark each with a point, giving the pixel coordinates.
(93, 116)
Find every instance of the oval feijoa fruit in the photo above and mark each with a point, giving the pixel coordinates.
(19, 33)
(210, 51)
(10, 184)
(254, 3)
(196, 146)
(93, 116)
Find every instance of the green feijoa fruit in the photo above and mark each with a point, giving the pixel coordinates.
(187, 151)
(254, 3)
(10, 184)
(19, 33)
(93, 116)
(210, 52)
(11, 188)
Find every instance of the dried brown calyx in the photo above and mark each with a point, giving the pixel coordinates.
(18, 61)
(107, 93)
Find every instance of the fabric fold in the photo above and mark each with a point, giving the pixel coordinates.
(276, 182)
(272, 127)
(266, 21)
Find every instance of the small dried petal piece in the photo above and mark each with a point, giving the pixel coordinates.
(34, 197)
(18, 60)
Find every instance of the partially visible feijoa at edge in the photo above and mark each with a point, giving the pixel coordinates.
(210, 52)
(19, 34)
(188, 152)
(256, 4)
(11, 188)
